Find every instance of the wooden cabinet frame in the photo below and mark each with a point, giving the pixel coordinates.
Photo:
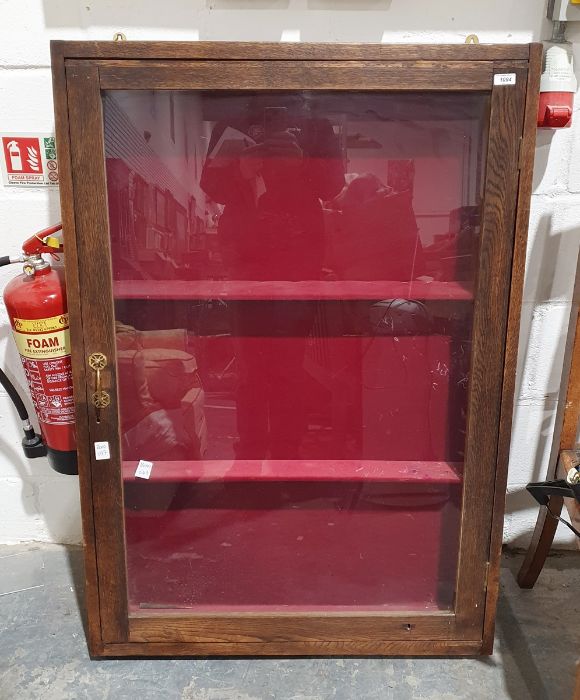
(80, 71)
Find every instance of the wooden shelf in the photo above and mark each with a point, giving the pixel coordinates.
(182, 290)
(299, 470)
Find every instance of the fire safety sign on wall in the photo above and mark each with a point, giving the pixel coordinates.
(29, 160)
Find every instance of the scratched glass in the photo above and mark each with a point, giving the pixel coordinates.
(293, 284)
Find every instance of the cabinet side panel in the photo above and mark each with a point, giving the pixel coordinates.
(91, 594)
(517, 280)
(486, 374)
(94, 272)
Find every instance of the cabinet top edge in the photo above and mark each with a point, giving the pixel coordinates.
(155, 50)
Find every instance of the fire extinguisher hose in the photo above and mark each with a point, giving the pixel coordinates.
(31, 443)
(10, 389)
(8, 259)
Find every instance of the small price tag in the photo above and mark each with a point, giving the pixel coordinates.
(143, 470)
(504, 79)
(102, 450)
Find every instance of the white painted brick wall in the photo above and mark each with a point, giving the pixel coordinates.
(35, 503)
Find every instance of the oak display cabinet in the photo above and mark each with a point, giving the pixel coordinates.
(294, 277)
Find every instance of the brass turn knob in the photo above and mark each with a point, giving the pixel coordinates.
(97, 361)
(101, 398)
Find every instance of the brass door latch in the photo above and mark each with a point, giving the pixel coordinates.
(101, 398)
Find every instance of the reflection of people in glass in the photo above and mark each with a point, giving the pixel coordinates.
(270, 168)
(378, 237)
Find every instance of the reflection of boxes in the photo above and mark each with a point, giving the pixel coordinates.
(240, 538)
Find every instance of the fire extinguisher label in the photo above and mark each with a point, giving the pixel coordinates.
(44, 348)
(40, 325)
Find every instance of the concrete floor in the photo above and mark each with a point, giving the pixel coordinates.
(43, 654)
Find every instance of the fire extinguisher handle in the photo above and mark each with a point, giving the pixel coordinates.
(43, 242)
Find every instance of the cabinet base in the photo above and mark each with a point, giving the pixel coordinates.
(277, 649)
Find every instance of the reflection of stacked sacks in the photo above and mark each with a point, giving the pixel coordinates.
(162, 401)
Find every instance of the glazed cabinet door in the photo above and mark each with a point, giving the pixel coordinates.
(293, 280)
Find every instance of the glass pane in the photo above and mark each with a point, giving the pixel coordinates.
(293, 284)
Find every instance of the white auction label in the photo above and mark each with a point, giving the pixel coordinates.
(102, 450)
(143, 470)
(504, 79)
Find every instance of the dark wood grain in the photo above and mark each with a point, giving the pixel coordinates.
(489, 334)
(96, 318)
(296, 75)
(291, 627)
(568, 437)
(428, 647)
(91, 594)
(268, 51)
(526, 164)
(161, 65)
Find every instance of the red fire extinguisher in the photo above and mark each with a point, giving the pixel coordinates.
(36, 305)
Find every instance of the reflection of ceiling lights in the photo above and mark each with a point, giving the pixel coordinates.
(360, 141)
